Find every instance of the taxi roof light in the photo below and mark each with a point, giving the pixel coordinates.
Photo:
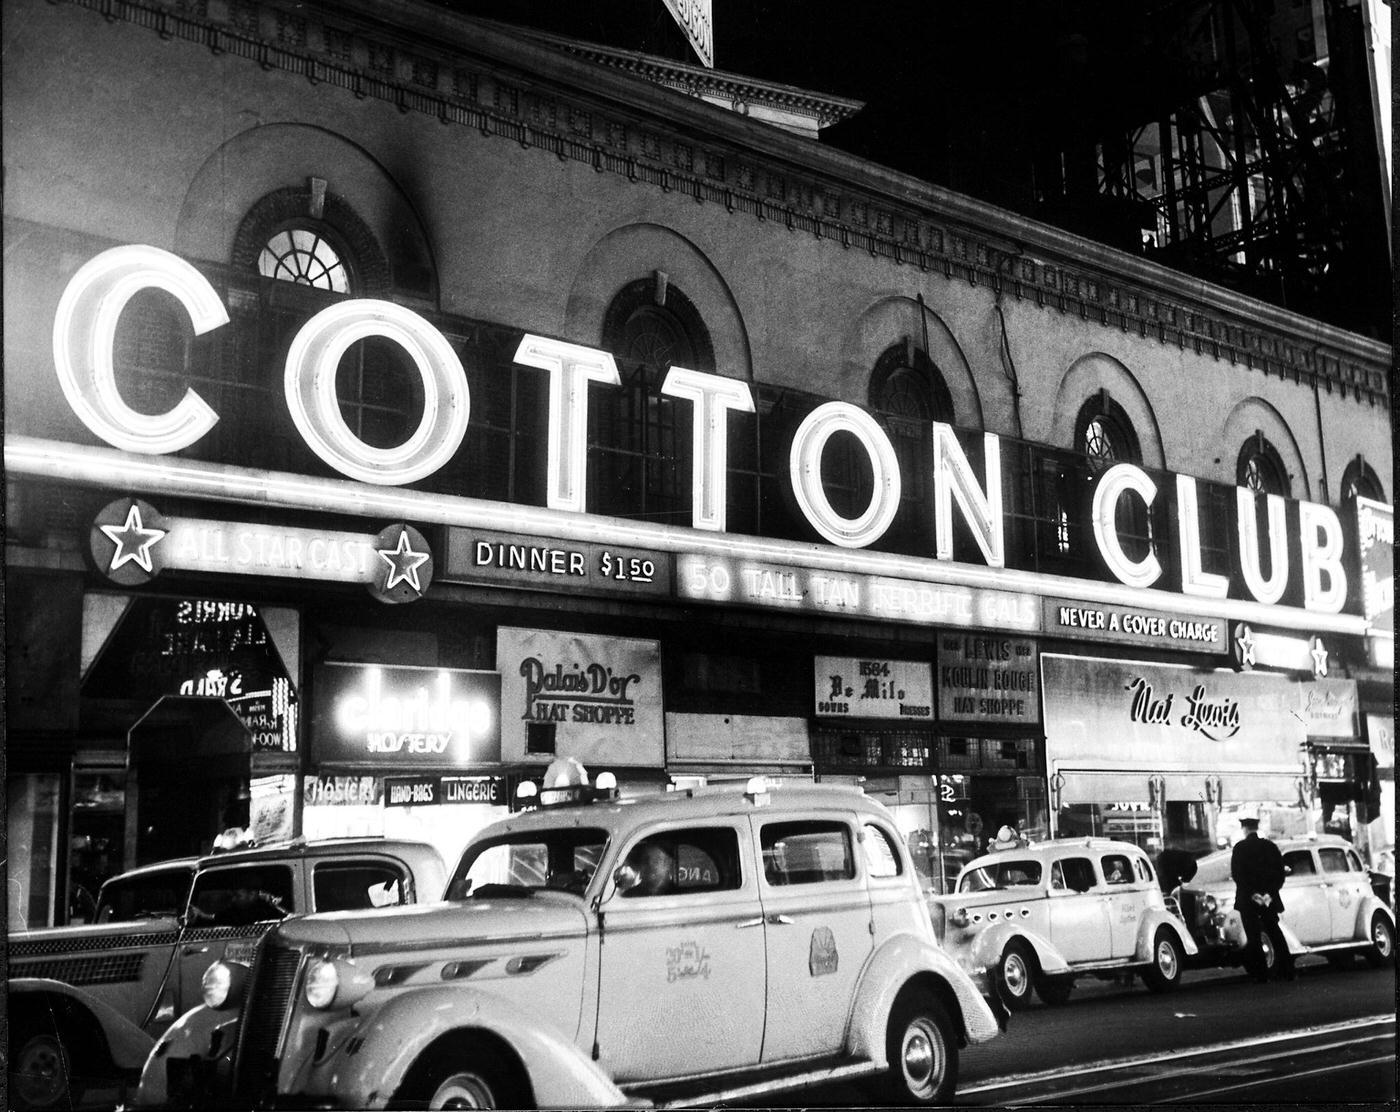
(757, 792)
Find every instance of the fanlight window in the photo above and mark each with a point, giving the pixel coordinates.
(303, 257)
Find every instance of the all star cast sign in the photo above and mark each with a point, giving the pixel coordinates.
(576, 695)
(132, 542)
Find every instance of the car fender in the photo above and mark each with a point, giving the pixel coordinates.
(190, 1036)
(127, 1043)
(366, 1070)
(990, 943)
(899, 960)
(1153, 918)
(1368, 907)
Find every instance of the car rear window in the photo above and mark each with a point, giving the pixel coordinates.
(1001, 874)
(806, 852)
(1333, 860)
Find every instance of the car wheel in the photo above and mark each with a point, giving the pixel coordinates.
(1054, 990)
(1382, 949)
(466, 1089)
(40, 1074)
(1266, 945)
(1015, 975)
(922, 1048)
(1164, 971)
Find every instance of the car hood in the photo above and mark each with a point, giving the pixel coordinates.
(421, 926)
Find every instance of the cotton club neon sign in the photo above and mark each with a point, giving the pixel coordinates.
(85, 328)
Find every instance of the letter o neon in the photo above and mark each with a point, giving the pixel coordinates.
(805, 469)
(309, 384)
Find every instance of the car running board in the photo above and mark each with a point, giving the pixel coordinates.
(743, 1085)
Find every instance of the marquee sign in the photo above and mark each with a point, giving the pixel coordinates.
(1132, 625)
(1301, 544)
(756, 583)
(131, 542)
(405, 718)
(519, 560)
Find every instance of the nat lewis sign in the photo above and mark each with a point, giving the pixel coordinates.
(1133, 626)
(392, 717)
(1282, 550)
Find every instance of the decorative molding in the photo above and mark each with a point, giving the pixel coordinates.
(457, 84)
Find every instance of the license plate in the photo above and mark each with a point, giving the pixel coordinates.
(241, 950)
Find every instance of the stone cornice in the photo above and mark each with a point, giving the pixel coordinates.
(699, 81)
(468, 73)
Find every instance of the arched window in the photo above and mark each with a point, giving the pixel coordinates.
(1360, 481)
(638, 461)
(305, 248)
(304, 255)
(1260, 468)
(1103, 436)
(1104, 433)
(907, 393)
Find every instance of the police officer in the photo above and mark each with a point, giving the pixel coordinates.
(1256, 866)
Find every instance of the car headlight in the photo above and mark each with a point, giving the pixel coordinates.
(223, 984)
(322, 981)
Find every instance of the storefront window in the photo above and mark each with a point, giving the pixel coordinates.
(97, 838)
(32, 830)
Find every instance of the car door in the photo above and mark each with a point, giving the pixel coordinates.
(1123, 893)
(1078, 911)
(682, 967)
(1347, 885)
(1304, 894)
(818, 929)
(231, 905)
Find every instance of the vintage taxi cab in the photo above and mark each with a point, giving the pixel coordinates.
(86, 1002)
(1036, 917)
(1330, 906)
(686, 947)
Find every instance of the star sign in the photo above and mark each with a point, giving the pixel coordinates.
(1244, 646)
(1319, 656)
(134, 542)
(403, 563)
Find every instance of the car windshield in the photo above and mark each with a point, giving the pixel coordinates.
(1001, 874)
(149, 896)
(522, 864)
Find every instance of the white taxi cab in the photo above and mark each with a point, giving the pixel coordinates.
(1330, 907)
(686, 947)
(1033, 918)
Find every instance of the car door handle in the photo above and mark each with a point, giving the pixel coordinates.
(190, 951)
(780, 920)
(749, 923)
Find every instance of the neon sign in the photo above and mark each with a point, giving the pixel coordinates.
(132, 542)
(406, 717)
(85, 326)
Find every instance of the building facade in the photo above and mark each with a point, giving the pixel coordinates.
(396, 402)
